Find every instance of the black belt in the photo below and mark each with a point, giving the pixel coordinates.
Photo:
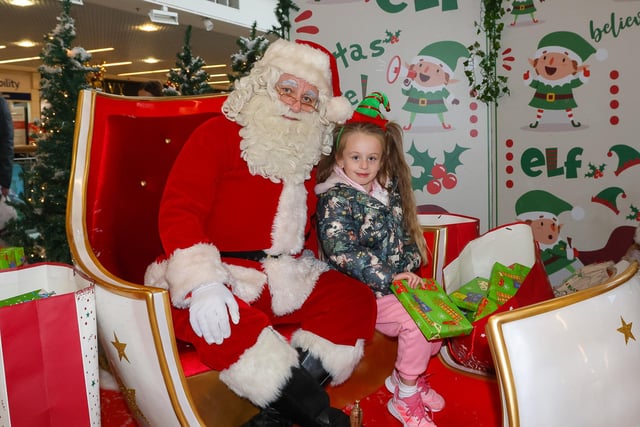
(424, 101)
(552, 97)
(250, 255)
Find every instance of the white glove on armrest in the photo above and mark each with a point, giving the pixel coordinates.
(208, 312)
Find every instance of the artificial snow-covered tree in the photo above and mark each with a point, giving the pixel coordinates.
(188, 78)
(251, 49)
(41, 224)
(283, 10)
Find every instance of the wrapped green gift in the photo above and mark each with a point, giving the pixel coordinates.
(25, 297)
(469, 295)
(432, 309)
(505, 281)
(12, 256)
(485, 308)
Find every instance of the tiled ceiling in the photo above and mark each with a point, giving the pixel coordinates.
(112, 23)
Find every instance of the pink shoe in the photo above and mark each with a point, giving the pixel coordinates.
(430, 398)
(409, 410)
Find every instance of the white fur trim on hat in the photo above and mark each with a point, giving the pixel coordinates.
(302, 61)
(316, 67)
(339, 110)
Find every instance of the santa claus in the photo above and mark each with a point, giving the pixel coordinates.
(235, 226)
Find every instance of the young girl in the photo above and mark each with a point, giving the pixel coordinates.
(368, 229)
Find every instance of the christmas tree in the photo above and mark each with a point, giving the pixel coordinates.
(188, 78)
(251, 49)
(41, 224)
(283, 10)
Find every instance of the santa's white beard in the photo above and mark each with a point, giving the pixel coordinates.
(277, 147)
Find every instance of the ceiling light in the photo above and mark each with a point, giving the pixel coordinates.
(148, 27)
(163, 16)
(151, 60)
(116, 64)
(21, 3)
(25, 43)
(208, 24)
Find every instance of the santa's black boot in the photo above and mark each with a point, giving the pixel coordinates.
(302, 401)
(313, 365)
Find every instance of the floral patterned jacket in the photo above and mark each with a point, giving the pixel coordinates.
(363, 237)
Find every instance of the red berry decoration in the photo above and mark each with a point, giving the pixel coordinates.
(434, 186)
(449, 181)
(438, 171)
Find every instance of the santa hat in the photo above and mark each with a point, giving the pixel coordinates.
(608, 196)
(627, 157)
(570, 43)
(369, 110)
(446, 53)
(538, 204)
(316, 65)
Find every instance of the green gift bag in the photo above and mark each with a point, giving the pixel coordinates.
(432, 309)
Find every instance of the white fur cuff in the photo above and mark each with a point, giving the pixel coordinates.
(262, 370)
(189, 268)
(338, 360)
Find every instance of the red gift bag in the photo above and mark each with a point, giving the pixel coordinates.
(48, 349)
(446, 234)
(508, 244)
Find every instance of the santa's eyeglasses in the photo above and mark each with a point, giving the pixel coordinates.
(308, 101)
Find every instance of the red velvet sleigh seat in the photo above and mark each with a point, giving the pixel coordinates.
(124, 148)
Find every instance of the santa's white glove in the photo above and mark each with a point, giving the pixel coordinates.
(208, 312)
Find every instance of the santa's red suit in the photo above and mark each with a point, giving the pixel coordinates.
(212, 204)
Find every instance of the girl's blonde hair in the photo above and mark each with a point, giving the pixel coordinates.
(394, 168)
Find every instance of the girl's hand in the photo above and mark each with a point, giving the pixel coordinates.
(413, 280)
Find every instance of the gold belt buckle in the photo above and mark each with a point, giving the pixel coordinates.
(521, 7)
(422, 102)
(551, 97)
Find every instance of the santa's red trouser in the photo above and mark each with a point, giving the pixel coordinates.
(339, 309)
(414, 350)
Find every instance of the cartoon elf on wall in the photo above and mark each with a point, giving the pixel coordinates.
(427, 79)
(540, 209)
(559, 68)
(523, 7)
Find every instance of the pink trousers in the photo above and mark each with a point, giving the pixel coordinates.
(414, 350)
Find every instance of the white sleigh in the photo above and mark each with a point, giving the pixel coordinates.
(574, 360)
(123, 150)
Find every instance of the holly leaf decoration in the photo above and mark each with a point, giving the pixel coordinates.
(391, 37)
(634, 215)
(424, 160)
(452, 158)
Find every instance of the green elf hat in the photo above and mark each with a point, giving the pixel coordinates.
(540, 204)
(608, 196)
(446, 53)
(369, 110)
(627, 157)
(576, 47)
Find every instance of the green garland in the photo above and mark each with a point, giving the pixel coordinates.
(480, 68)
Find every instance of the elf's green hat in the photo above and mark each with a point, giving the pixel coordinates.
(446, 53)
(627, 157)
(570, 43)
(537, 204)
(369, 110)
(608, 196)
